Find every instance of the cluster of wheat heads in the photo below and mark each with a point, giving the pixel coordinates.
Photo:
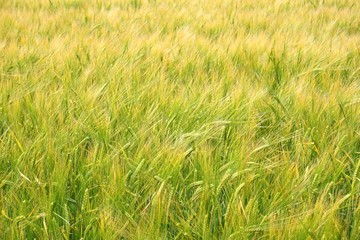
(179, 119)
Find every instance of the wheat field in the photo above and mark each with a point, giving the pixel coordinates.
(179, 119)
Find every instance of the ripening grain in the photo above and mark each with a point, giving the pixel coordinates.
(209, 119)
